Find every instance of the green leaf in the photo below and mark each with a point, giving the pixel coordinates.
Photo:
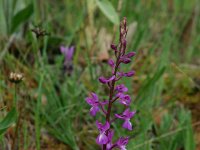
(8, 120)
(107, 8)
(21, 17)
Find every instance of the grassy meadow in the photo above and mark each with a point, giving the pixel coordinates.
(47, 109)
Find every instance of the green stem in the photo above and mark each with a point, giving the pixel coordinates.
(37, 114)
(16, 131)
(15, 97)
(18, 120)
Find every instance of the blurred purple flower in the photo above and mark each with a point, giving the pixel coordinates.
(102, 138)
(121, 88)
(114, 47)
(104, 80)
(125, 60)
(122, 142)
(94, 102)
(130, 54)
(126, 115)
(112, 65)
(127, 74)
(67, 52)
(124, 99)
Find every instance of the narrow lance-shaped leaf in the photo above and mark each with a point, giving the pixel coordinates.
(21, 16)
(107, 8)
(8, 120)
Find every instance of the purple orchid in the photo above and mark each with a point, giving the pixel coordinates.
(116, 93)
(102, 137)
(126, 115)
(122, 142)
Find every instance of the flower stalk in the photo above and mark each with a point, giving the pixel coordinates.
(16, 78)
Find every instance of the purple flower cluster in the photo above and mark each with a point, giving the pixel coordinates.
(117, 93)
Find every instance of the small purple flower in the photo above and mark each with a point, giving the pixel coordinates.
(68, 53)
(114, 47)
(104, 80)
(127, 74)
(121, 88)
(122, 142)
(130, 54)
(124, 99)
(94, 102)
(125, 60)
(126, 115)
(102, 138)
(112, 65)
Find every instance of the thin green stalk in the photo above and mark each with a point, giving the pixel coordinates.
(37, 114)
(18, 120)
(25, 137)
(16, 131)
(15, 97)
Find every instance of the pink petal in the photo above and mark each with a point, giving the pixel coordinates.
(127, 124)
(131, 54)
(102, 139)
(94, 110)
(119, 116)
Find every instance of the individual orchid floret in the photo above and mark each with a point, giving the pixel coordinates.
(102, 137)
(94, 102)
(126, 115)
(121, 88)
(130, 54)
(104, 80)
(114, 47)
(112, 65)
(127, 74)
(122, 142)
(125, 60)
(124, 99)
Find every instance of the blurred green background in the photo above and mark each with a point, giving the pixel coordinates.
(165, 90)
